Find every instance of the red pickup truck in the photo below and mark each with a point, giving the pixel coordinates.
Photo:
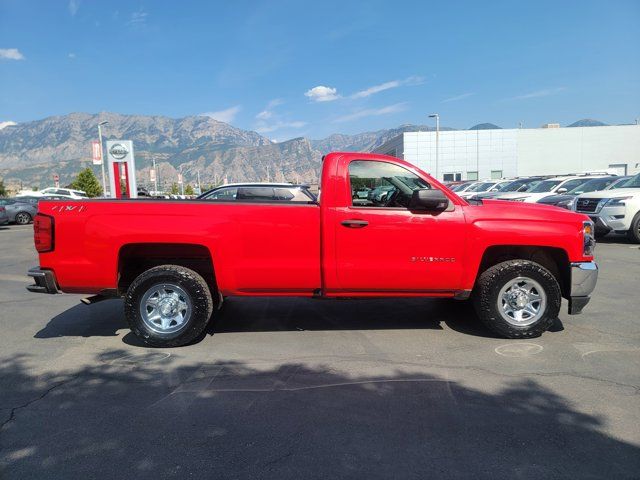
(175, 261)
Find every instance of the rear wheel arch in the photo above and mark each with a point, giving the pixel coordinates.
(136, 258)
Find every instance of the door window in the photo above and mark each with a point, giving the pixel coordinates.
(389, 185)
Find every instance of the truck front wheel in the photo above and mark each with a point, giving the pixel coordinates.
(168, 306)
(517, 299)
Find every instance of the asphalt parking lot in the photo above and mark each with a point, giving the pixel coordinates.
(284, 388)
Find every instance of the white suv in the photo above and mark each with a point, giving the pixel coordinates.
(557, 185)
(58, 192)
(615, 210)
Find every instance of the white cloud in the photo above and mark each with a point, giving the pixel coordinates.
(266, 128)
(539, 93)
(457, 97)
(138, 19)
(10, 54)
(74, 6)
(7, 124)
(322, 94)
(409, 81)
(226, 116)
(372, 112)
(264, 115)
(71, 55)
(275, 103)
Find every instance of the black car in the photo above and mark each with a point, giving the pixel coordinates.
(567, 199)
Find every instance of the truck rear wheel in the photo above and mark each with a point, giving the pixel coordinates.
(517, 299)
(168, 306)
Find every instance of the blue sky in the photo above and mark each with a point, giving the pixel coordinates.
(294, 68)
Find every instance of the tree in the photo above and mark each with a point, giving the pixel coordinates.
(174, 189)
(188, 190)
(88, 183)
(3, 190)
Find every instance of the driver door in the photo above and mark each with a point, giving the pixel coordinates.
(381, 246)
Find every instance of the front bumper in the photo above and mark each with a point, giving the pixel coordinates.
(607, 219)
(45, 281)
(584, 276)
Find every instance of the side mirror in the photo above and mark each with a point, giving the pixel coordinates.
(428, 200)
(560, 191)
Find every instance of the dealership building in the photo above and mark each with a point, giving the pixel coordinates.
(498, 153)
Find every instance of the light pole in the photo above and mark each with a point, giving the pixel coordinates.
(155, 177)
(437, 117)
(104, 182)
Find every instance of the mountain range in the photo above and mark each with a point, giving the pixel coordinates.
(32, 152)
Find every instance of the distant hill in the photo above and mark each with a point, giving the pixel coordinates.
(588, 122)
(485, 126)
(32, 152)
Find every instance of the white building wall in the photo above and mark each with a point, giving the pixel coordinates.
(513, 152)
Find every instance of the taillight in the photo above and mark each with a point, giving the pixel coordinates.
(43, 233)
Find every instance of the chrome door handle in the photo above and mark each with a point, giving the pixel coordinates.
(354, 223)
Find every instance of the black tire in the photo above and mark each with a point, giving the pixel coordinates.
(491, 282)
(191, 283)
(634, 232)
(23, 218)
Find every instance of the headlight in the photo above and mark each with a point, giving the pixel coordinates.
(616, 202)
(568, 204)
(589, 239)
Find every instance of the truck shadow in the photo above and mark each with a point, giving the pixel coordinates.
(288, 314)
(277, 314)
(156, 416)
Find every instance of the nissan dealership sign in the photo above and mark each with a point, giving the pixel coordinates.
(120, 150)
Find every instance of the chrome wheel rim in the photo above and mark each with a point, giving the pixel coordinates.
(22, 219)
(166, 308)
(522, 301)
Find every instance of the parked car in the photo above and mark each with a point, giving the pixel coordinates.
(516, 263)
(259, 192)
(55, 191)
(379, 194)
(362, 193)
(566, 200)
(616, 210)
(463, 187)
(516, 185)
(19, 212)
(482, 187)
(557, 185)
(4, 216)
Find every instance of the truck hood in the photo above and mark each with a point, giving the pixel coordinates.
(618, 192)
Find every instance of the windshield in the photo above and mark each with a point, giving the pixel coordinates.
(591, 186)
(481, 187)
(545, 186)
(508, 186)
(633, 182)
